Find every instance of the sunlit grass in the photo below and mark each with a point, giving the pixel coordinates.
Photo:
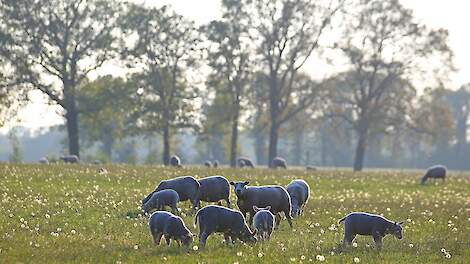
(59, 213)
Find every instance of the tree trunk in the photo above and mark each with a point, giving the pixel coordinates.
(107, 148)
(166, 145)
(360, 150)
(234, 139)
(260, 148)
(71, 118)
(273, 139)
(298, 148)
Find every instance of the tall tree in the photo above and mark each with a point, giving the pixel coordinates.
(229, 58)
(56, 44)
(384, 47)
(162, 48)
(286, 33)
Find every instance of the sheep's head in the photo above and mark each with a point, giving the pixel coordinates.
(396, 230)
(239, 187)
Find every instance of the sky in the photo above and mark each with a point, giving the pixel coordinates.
(451, 14)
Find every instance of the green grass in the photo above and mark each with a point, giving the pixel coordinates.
(59, 213)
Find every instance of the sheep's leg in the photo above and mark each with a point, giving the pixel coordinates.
(278, 220)
(378, 242)
(157, 238)
(289, 218)
(202, 239)
(348, 239)
(228, 203)
(168, 239)
(227, 238)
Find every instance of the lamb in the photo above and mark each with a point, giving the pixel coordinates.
(175, 161)
(299, 192)
(263, 223)
(263, 196)
(166, 224)
(245, 162)
(187, 188)
(279, 162)
(160, 199)
(359, 223)
(435, 172)
(70, 159)
(214, 189)
(218, 219)
(208, 163)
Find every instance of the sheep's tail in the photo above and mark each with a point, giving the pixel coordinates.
(341, 220)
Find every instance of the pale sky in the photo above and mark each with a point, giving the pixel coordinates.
(451, 14)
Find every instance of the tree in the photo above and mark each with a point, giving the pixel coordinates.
(163, 47)
(15, 155)
(286, 33)
(229, 58)
(459, 102)
(384, 48)
(56, 44)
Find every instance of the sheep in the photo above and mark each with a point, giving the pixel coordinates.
(218, 219)
(187, 188)
(366, 224)
(214, 189)
(43, 160)
(175, 161)
(262, 196)
(208, 163)
(263, 223)
(160, 199)
(278, 162)
(245, 162)
(311, 168)
(166, 224)
(70, 159)
(435, 172)
(299, 192)
(215, 164)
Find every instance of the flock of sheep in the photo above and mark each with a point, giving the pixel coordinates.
(263, 204)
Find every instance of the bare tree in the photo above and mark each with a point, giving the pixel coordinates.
(286, 33)
(55, 45)
(384, 48)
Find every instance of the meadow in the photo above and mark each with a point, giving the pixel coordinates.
(73, 213)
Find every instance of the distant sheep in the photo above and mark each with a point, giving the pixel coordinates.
(70, 159)
(263, 196)
(163, 223)
(215, 164)
(43, 160)
(187, 188)
(175, 161)
(435, 172)
(160, 199)
(279, 162)
(299, 192)
(218, 219)
(214, 189)
(245, 162)
(311, 168)
(263, 223)
(208, 163)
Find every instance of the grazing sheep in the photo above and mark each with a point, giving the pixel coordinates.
(263, 223)
(369, 225)
(311, 168)
(208, 163)
(245, 162)
(175, 161)
(214, 189)
(299, 192)
(263, 196)
(187, 188)
(218, 219)
(166, 224)
(160, 199)
(43, 160)
(70, 159)
(435, 172)
(278, 162)
(215, 164)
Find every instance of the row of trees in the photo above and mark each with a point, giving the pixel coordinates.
(253, 61)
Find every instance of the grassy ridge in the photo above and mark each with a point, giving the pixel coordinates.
(59, 213)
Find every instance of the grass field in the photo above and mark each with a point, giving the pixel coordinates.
(71, 213)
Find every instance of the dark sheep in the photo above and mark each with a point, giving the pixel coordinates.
(311, 168)
(208, 163)
(279, 162)
(263, 196)
(263, 223)
(187, 188)
(160, 199)
(43, 160)
(369, 225)
(166, 224)
(299, 192)
(214, 189)
(218, 219)
(435, 172)
(215, 164)
(245, 162)
(70, 159)
(175, 161)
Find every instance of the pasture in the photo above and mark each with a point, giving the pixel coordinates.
(72, 213)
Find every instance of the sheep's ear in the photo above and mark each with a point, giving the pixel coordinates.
(268, 207)
(246, 183)
(401, 223)
(232, 183)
